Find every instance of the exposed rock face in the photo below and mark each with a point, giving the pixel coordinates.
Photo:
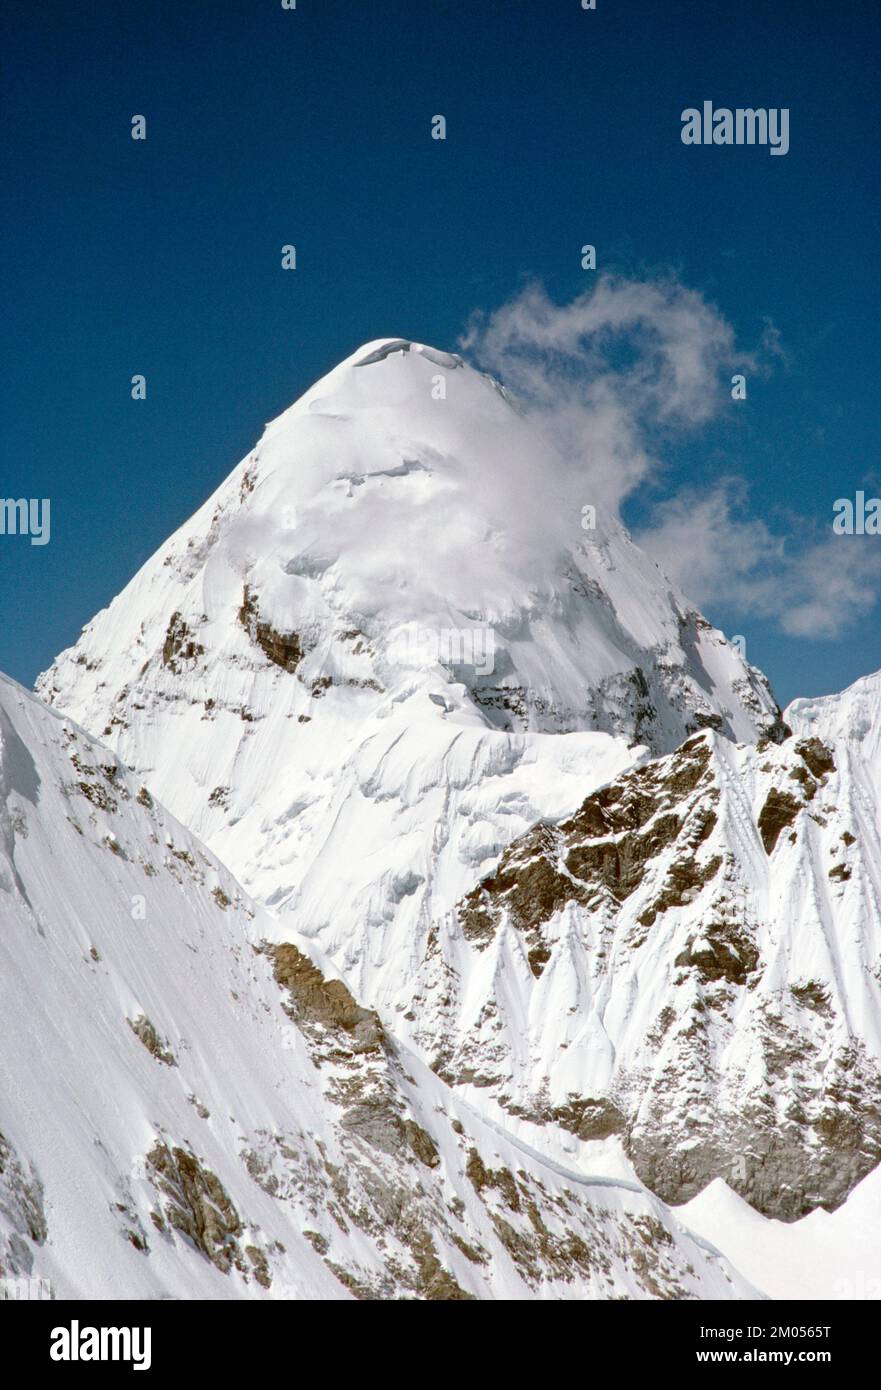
(779, 811)
(326, 1003)
(156, 1046)
(195, 1204)
(600, 854)
(180, 650)
(282, 649)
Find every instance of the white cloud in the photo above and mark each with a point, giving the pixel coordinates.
(623, 363)
(698, 539)
(718, 554)
(614, 376)
(678, 341)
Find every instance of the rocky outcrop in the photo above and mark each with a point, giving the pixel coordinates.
(146, 1033)
(321, 1005)
(180, 650)
(600, 856)
(194, 1202)
(281, 648)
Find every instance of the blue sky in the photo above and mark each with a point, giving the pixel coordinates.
(268, 126)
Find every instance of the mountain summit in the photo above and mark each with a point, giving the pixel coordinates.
(402, 539)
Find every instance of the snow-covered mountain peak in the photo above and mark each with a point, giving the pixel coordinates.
(407, 480)
(402, 528)
(388, 644)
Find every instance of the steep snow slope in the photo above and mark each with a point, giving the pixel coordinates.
(852, 716)
(190, 1106)
(385, 560)
(692, 962)
(827, 1255)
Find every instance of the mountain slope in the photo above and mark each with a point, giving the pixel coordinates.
(825, 1256)
(692, 963)
(192, 1104)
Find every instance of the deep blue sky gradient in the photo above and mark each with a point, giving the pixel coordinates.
(268, 126)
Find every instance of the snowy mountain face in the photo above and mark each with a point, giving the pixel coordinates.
(539, 814)
(691, 963)
(193, 1105)
(386, 560)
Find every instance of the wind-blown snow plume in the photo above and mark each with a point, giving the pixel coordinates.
(610, 368)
